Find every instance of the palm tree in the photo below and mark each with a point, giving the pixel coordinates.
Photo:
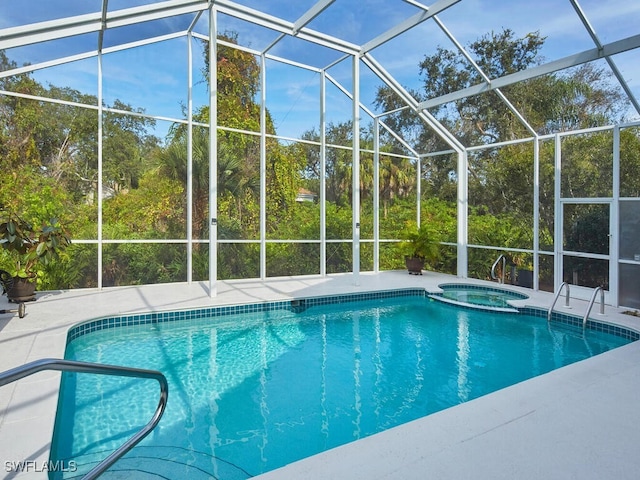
(236, 176)
(397, 179)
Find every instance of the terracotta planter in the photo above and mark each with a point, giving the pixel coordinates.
(21, 290)
(414, 265)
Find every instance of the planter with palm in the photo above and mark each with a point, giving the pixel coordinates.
(419, 247)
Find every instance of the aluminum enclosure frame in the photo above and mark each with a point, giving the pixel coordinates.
(100, 22)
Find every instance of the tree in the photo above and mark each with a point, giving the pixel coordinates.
(127, 148)
(397, 180)
(501, 178)
(238, 154)
(578, 98)
(338, 162)
(18, 120)
(49, 161)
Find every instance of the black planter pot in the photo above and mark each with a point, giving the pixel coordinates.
(414, 265)
(525, 278)
(21, 290)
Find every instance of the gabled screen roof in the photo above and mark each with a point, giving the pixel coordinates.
(394, 34)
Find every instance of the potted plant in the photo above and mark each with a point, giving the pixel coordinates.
(28, 246)
(419, 246)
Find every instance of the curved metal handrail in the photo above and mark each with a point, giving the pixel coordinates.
(495, 264)
(591, 302)
(555, 299)
(85, 367)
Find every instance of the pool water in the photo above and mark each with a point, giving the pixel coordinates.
(250, 393)
(480, 296)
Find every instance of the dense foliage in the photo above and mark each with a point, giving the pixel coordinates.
(501, 178)
(50, 158)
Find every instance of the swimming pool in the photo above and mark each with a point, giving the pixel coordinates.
(255, 390)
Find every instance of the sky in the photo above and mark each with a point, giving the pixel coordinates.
(154, 77)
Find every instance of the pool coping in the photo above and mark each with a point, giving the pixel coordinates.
(28, 406)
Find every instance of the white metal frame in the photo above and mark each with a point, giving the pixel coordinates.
(105, 19)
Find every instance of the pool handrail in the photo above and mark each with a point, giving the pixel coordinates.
(61, 365)
(591, 302)
(555, 299)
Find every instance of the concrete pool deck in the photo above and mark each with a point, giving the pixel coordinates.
(581, 421)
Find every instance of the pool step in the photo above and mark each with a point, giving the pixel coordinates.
(165, 462)
(474, 306)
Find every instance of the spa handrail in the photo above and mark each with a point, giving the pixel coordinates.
(566, 303)
(85, 367)
(504, 266)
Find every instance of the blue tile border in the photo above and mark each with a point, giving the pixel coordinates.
(295, 305)
(300, 304)
(575, 321)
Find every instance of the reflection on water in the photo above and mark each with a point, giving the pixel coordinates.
(249, 394)
(463, 358)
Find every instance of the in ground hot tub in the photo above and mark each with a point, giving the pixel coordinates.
(477, 296)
